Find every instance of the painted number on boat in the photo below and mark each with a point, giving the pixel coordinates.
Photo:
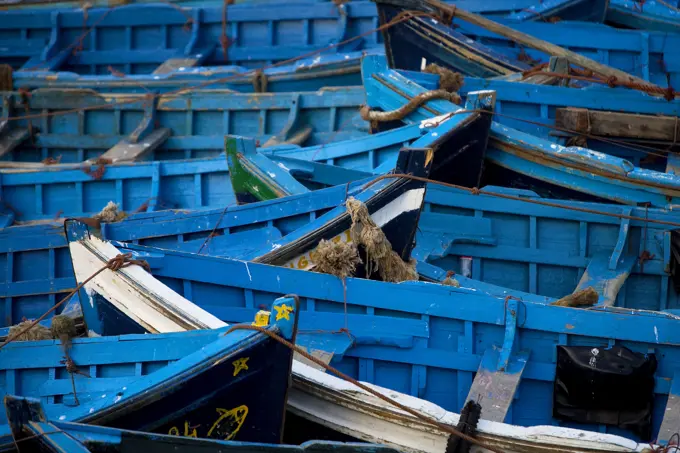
(306, 261)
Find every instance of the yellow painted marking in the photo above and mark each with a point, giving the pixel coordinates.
(428, 157)
(189, 431)
(283, 311)
(229, 423)
(240, 365)
(306, 261)
(262, 318)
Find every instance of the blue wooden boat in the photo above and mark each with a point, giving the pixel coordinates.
(306, 74)
(648, 55)
(394, 205)
(645, 15)
(475, 50)
(567, 116)
(35, 191)
(527, 161)
(158, 38)
(55, 191)
(626, 256)
(209, 382)
(516, 9)
(419, 338)
(38, 273)
(32, 429)
(301, 31)
(32, 289)
(127, 127)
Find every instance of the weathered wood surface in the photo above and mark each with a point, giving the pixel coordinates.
(616, 124)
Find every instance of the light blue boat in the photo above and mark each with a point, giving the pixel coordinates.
(132, 127)
(561, 115)
(213, 378)
(46, 281)
(159, 38)
(306, 74)
(422, 339)
(149, 47)
(458, 233)
(526, 161)
(517, 244)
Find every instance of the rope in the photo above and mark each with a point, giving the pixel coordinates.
(115, 264)
(260, 81)
(79, 46)
(448, 80)
(668, 93)
(670, 446)
(477, 191)
(397, 114)
(442, 426)
(97, 173)
(72, 369)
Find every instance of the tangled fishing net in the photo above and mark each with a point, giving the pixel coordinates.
(379, 254)
(450, 280)
(63, 329)
(110, 213)
(36, 333)
(340, 258)
(336, 258)
(584, 298)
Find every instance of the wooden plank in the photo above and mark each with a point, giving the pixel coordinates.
(128, 151)
(184, 61)
(495, 389)
(324, 356)
(616, 124)
(531, 41)
(607, 282)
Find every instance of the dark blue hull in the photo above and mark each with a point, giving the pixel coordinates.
(204, 384)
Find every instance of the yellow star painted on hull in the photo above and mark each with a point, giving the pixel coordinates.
(240, 364)
(283, 311)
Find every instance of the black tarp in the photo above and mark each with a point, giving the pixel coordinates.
(611, 386)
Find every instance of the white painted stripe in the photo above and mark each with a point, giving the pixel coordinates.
(141, 303)
(411, 200)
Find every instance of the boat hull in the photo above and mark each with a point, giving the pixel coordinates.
(203, 384)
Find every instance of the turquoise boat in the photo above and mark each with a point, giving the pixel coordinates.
(410, 337)
(132, 127)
